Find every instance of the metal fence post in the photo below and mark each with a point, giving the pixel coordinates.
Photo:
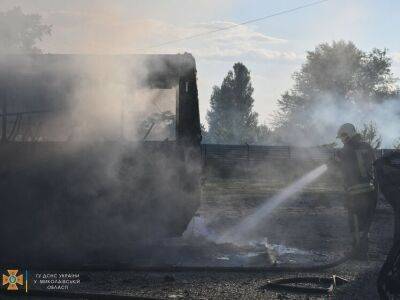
(248, 158)
(205, 156)
(4, 120)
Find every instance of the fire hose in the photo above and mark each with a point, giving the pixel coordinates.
(285, 284)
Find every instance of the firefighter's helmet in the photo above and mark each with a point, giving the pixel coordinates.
(347, 129)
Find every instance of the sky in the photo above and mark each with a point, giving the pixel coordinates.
(272, 49)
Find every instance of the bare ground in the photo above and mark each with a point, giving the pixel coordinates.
(314, 224)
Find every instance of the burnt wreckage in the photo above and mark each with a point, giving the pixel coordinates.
(388, 177)
(70, 194)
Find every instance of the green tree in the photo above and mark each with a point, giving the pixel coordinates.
(338, 71)
(231, 118)
(20, 32)
(369, 134)
(396, 144)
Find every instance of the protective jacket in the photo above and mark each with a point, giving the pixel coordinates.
(357, 158)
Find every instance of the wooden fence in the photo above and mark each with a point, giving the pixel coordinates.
(229, 157)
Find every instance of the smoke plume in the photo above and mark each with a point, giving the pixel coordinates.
(325, 117)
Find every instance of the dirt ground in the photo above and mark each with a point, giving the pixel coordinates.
(309, 229)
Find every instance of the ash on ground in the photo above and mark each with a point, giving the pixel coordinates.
(258, 251)
(313, 228)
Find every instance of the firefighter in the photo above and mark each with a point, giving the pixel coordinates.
(356, 163)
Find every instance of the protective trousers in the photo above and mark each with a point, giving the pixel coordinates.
(361, 208)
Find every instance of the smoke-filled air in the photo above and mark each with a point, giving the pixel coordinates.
(200, 149)
(239, 233)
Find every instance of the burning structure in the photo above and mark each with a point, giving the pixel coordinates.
(98, 153)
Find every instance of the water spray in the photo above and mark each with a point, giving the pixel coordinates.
(238, 232)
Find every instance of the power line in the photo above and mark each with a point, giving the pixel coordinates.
(233, 26)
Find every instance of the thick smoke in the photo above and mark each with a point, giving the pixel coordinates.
(110, 104)
(325, 117)
(99, 188)
(78, 172)
(328, 115)
(84, 98)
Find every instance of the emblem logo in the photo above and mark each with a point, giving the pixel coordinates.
(13, 280)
